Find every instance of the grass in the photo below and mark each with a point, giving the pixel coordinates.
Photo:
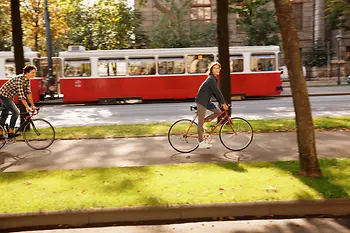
(196, 183)
(273, 125)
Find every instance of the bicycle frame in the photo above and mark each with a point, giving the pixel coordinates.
(226, 117)
(27, 120)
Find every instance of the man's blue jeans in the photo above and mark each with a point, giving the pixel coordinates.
(9, 106)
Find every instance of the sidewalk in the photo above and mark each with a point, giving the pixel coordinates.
(143, 151)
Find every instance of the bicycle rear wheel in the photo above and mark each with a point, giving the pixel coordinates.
(237, 137)
(39, 134)
(183, 136)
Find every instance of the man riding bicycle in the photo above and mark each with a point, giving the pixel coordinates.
(17, 86)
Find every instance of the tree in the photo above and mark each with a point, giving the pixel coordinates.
(259, 23)
(335, 10)
(5, 26)
(224, 54)
(17, 34)
(309, 165)
(316, 56)
(175, 30)
(34, 24)
(107, 24)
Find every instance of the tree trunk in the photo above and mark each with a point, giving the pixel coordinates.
(17, 35)
(309, 165)
(223, 44)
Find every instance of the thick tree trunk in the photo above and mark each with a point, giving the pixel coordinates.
(309, 165)
(17, 35)
(223, 44)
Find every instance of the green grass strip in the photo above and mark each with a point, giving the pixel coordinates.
(195, 183)
(274, 125)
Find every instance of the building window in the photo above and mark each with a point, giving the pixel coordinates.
(201, 10)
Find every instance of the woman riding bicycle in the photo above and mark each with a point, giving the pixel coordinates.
(206, 91)
(17, 86)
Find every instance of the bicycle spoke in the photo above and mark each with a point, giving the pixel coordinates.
(236, 134)
(40, 135)
(183, 136)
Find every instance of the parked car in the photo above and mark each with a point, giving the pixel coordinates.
(348, 79)
(284, 72)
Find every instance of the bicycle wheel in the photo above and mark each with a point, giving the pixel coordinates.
(3, 137)
(183, 136)
(237, 137)
(39, 134)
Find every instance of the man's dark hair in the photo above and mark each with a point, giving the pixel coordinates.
(28, 68)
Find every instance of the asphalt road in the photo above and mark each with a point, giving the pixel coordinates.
(75, 115)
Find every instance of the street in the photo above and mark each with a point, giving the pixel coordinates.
(78, 115)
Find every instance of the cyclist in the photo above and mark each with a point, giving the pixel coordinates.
(207, 90)
(17, 86)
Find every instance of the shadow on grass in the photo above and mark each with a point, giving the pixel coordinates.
(326, 185)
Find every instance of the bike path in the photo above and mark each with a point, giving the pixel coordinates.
(144, 151)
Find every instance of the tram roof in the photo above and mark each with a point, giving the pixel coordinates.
(167, 51)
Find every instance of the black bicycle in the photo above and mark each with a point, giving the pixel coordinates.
(37, 133)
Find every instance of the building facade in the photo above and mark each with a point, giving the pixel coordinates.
(309, 18)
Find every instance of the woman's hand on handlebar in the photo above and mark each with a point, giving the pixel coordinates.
(224, 106)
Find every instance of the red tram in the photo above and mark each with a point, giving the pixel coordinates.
(148, 74)
(154, 74)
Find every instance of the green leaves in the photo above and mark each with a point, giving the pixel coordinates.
(258, 23)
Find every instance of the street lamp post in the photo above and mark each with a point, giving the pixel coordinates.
(339, 37)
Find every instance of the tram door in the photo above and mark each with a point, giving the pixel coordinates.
(49, 87)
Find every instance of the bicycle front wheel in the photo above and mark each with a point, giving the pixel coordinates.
(236, 134)
(3, 137)
(183, 136)
(39, 134)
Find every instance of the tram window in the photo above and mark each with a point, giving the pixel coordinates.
(42, 67)
(236, 63)
(10, 67)
(112, 67)
(199, 63)
(171, 65)
(141, 66)
(263, 62)
(77, 68)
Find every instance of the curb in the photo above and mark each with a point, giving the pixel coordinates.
(315, 94)
(264, 209)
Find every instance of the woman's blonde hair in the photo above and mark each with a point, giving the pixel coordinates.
(210, 70)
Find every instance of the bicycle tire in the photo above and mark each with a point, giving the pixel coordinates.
(178, 139)
(3, 138)
(243, 134)
(40, 135)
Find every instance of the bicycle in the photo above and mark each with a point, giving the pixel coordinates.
(37, 133)
(235, 133)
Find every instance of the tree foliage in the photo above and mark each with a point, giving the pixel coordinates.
(175, 29)
(316, 56)
(336, 10)
(107, 24)
(259, 23)
(33, 23)
(5, 26)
